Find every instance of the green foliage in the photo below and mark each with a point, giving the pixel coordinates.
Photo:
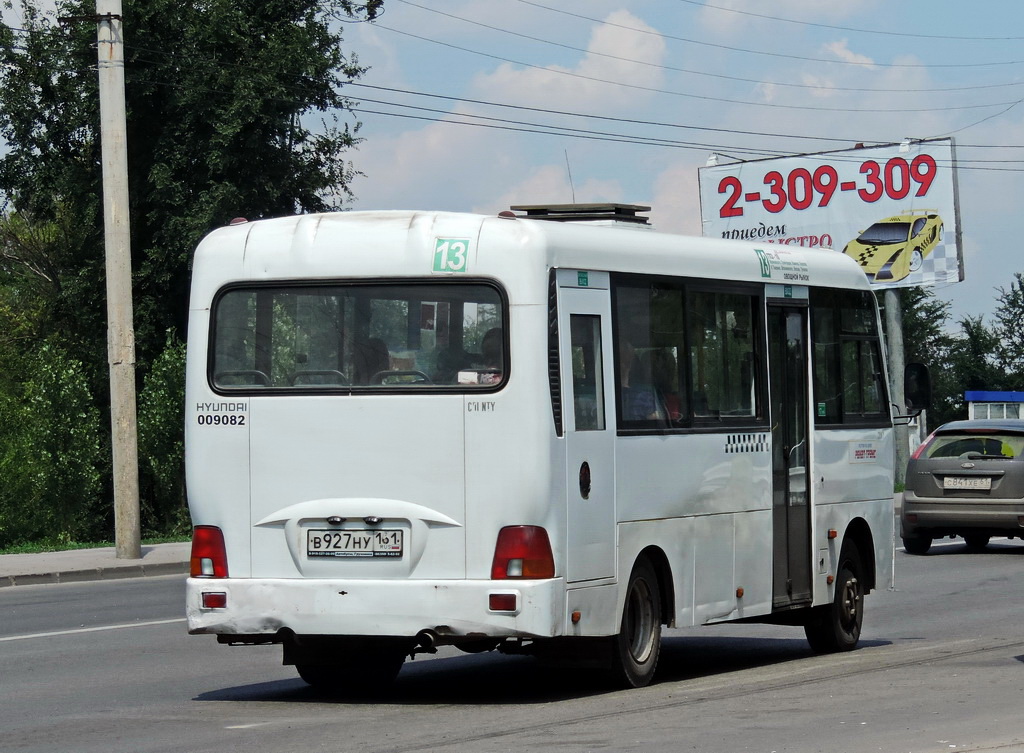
(234, 108)
(162, 442)
(1009, 330)
(973, 356)
(16, 473)
(50, 454)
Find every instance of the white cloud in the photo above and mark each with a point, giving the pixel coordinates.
(610, 53)
(820, 85)
(841, 50)
(428, 168)
(675, 207)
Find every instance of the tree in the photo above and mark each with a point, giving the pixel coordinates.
(234, 108)
(221, 99)
(927, 339)
(925, 327)
(50, 454)
(1009, 329)
(971, 365)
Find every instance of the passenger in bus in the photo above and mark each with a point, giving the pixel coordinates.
(664, 376)
(371, 357)
(491, 356)
(639, 398)
(490, 348)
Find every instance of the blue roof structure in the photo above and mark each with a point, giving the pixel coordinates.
(993, 396)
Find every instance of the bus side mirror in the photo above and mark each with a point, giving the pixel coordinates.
(917, 388)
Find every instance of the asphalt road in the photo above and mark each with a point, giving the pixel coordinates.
(107, 666)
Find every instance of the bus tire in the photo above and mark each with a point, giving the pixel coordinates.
(365, 675)
(836, 627)
(636, 648)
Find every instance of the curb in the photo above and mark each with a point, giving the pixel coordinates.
(80, 565)
(98, 573)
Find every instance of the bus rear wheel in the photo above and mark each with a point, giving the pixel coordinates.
(636, 648)
(836, 627)
(350, 673)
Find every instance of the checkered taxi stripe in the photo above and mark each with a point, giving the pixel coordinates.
(939, 266)
(736, 443)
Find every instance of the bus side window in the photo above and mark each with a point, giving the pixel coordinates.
(848, 383)
(587, 381)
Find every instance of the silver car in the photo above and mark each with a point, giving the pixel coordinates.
(966, 479)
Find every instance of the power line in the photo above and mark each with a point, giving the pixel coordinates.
(556, 130)
(639, 141)
(602, 117)
(702, 97)
(693, 72)
(565, 131)
(907, 34)
(761, 52)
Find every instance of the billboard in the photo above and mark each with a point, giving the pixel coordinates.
(891, 208)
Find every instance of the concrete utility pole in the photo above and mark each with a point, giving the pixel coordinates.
(117, 240)
(894, 338)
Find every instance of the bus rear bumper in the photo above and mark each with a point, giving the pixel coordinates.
(270, 606)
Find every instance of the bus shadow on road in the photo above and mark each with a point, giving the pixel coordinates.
(493, 679)
(694, 657)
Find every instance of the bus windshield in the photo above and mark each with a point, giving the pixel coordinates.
(356, 337)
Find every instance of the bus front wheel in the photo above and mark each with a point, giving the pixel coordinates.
(836, 627)
(636, 648)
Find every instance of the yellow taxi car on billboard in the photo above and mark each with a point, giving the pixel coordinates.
(892, 248)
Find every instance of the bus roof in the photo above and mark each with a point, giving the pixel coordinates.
(403, 243)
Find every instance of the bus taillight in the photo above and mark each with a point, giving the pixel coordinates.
(522, 552)
(209, 556)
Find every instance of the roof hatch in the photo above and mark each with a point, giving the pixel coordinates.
(605, 214)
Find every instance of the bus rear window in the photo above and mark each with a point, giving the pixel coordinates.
(359, 337)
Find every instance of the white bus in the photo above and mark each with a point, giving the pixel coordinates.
(413, 429)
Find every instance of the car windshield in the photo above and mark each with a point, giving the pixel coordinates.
(355, 337)
(886, 232)
(994, 445)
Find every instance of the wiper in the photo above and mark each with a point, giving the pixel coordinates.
(982, 456)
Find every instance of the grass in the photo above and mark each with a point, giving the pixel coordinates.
(37, 547)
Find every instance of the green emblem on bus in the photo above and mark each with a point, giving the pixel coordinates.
(766, 267)
(582, 279)
(451, 254)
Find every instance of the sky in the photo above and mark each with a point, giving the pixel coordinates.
(476, 105)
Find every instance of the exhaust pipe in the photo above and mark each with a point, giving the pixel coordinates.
(426, 643)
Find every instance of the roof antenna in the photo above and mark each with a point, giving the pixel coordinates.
(569, 171)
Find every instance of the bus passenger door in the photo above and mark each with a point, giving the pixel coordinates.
(787, 363)
(584, 325)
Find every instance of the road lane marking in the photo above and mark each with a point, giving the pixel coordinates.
(99, 629)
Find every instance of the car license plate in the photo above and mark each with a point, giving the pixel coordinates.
(969, 482)
(346, 543)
